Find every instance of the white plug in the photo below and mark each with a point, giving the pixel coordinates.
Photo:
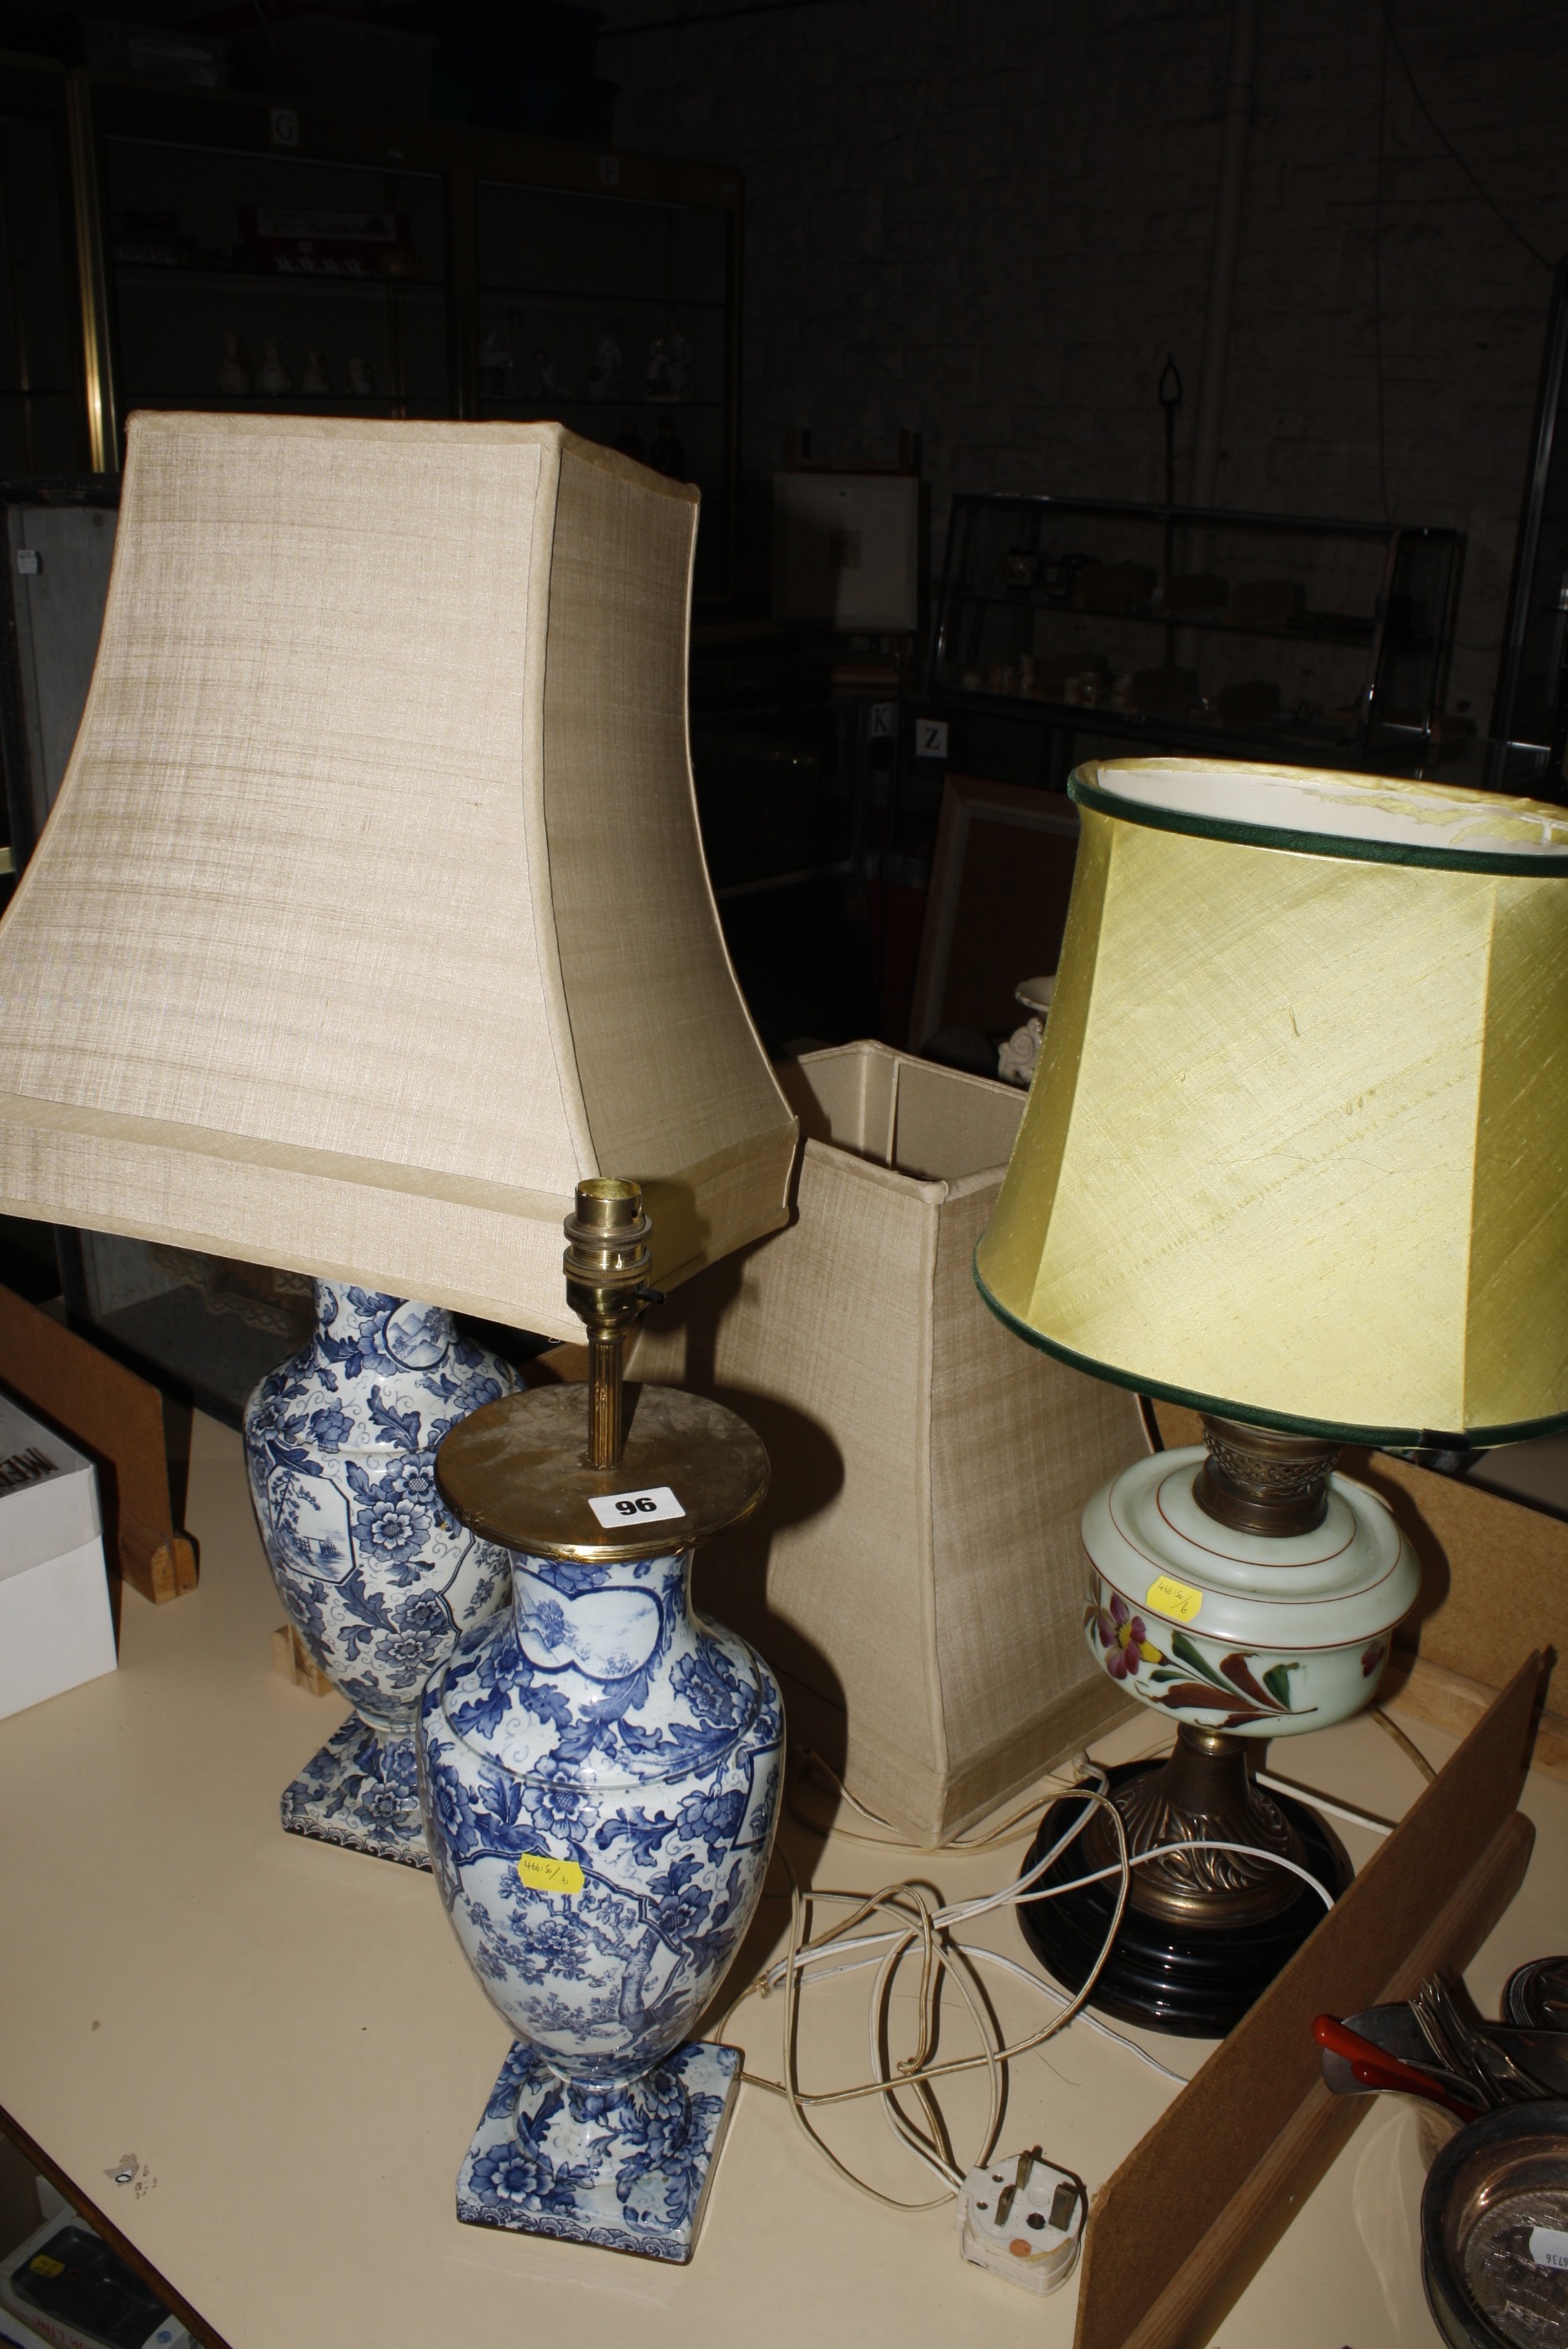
(1023, 2219)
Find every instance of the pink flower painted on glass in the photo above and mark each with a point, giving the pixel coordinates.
(1125, 1638)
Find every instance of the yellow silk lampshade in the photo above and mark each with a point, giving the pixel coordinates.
(373, 916)
(1297, 1145)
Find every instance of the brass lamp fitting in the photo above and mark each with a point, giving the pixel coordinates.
(1259, 1480)
(608, 1261)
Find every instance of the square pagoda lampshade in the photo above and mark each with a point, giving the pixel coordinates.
(373, 914)
(1297, 1146)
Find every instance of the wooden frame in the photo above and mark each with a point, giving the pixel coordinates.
(118, 1420)
(943, 987)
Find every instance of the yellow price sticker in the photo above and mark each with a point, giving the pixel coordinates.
(1176, 1599)
(42, 2264)
(546, 1875)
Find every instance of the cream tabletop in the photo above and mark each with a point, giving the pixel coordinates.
(288, 2041)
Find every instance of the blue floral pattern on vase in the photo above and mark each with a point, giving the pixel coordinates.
(378, 1578)
(600, 1771)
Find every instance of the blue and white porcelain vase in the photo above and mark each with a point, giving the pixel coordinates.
(379, 1576)
(601, 1775)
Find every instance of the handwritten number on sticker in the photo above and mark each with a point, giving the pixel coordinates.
(1178, 1600)
(544, 1873)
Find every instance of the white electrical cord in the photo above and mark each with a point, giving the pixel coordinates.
(918, 1924)
(1317, 1802)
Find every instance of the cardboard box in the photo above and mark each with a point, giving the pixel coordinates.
(56, 1626)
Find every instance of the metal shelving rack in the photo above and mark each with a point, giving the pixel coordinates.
(1184, 629)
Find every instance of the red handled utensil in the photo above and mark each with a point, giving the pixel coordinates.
(1372, 2068)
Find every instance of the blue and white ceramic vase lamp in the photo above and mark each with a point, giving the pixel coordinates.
(1291, 1157)
(379, 1576)
(601, 1773)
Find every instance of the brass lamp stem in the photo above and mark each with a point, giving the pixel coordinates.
(606, 1400)
(608, 1261)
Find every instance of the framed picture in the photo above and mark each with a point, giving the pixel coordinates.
(1000, 881)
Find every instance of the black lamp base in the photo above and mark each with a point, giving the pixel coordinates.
(1191, 1979)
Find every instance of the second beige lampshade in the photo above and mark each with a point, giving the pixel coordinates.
(1297, 1145)
(373, 912)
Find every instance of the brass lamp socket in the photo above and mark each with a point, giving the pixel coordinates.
(609, 1256)
(1258, 1480)
(609, 1253)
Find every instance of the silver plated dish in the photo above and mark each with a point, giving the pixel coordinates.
(1494, 2230)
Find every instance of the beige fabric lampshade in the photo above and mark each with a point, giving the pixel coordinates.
(1297, 1144)
(373, 912)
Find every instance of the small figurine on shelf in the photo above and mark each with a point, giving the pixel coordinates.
(273, 378)
(666, 455)
(234, 375)
(657, 379)
(315, 379)
(547, 374)
(677, 370)
(630, 441)
(605, 376)
(360, 385)
(1016, 1059)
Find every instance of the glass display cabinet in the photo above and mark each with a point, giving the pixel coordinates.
(202, 248)
(283, 282)
(1315, 643)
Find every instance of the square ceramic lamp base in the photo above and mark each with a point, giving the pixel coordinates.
(624, 2164)
(1249, 1594)
(361, 1791)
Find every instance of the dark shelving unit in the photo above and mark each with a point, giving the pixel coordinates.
(143, 227)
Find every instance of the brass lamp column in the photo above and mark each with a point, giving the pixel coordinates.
(1292, 1157)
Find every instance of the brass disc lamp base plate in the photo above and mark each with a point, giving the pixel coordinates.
(518, 1473)
(1191, 1979)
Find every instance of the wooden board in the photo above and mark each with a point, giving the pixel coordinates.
(1178, 2232)
(118, 1419)
(1000, 881)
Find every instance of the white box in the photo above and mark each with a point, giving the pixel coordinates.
(56, 1626)
(14, 2335)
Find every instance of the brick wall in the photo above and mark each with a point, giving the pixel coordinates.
(989, 220)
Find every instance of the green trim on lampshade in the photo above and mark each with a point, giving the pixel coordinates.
(1312, 843)
(1386, 1439)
